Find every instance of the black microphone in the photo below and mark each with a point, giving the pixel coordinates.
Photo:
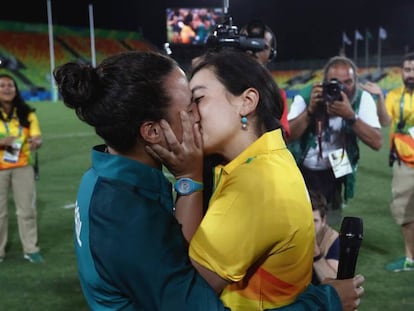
(350, 239)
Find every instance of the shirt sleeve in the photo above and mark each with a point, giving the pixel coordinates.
(297, 107)
(368, 110)
(34, 125)
(389, 101)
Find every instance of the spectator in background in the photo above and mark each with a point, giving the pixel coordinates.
(326, 123)
(201, 27)
(208, 24)
(257, 29)
(19, 136)
(326, 255)
(187, 33)
(173, 28)
(400, 107)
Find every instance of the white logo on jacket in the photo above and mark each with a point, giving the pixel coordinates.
(78, 225)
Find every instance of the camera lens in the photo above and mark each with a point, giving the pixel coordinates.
(332, 90)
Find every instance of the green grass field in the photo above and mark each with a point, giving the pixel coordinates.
(65, 156)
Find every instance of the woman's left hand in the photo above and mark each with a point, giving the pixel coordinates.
(35, 142)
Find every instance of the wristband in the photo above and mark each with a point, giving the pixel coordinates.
(186, 186)
(316, 258)
(352, 121)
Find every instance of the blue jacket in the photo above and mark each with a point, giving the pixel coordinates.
(130, 250)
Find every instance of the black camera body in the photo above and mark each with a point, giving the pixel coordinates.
(227, 35)
(331, 90)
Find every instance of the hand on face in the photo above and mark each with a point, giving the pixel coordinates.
(221, 112)
(183, 159)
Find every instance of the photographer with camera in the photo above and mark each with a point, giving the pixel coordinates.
(326, 121)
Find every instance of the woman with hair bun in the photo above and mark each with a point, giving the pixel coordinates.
(130, 249)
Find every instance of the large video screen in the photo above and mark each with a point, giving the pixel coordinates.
(191, 25)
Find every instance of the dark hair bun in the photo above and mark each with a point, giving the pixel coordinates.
(77, 84)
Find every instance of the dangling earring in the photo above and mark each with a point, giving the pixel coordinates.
(244, 123)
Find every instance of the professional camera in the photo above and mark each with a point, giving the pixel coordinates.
(331, 90)
(227, 35)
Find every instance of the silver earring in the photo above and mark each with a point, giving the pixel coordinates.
(244, 123)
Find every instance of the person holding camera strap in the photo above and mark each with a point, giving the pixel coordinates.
(400, 107)
(326, 121)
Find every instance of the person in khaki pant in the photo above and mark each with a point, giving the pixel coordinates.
(19, 136)
(400, 109)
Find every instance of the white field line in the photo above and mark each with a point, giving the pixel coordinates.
(66, 135)
(69, 206)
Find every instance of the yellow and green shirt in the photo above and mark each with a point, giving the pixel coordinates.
(12, 127)
(258, 231)
(397, 101)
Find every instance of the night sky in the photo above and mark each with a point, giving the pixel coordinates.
(305, 29)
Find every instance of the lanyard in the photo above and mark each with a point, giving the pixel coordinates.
(401, 124)
(6, 126)
(402, 103)
(402, 107)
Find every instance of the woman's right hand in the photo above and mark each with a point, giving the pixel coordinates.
(185, 158)
(316, 97)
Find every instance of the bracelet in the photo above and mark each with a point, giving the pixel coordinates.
(316, 258)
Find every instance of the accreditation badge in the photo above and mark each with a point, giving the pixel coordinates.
(11, 153)
(340, 163)
(411, 131)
